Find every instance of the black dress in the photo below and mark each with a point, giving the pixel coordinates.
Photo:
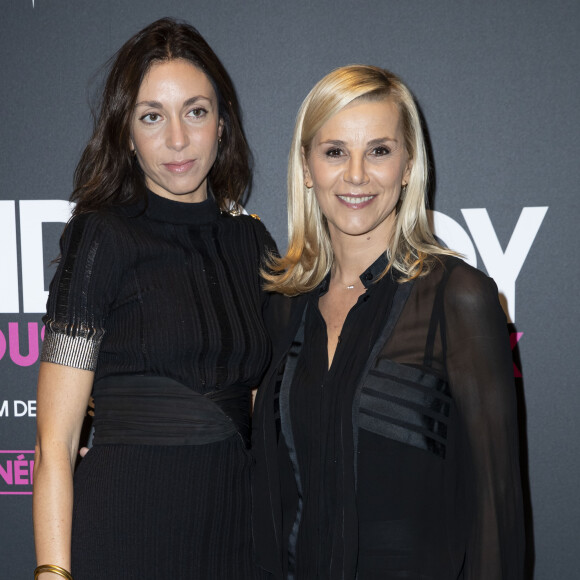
(163, 302)
(401, 459)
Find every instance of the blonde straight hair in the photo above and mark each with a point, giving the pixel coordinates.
(413, 248)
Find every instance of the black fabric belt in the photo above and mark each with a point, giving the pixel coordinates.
(145, 410)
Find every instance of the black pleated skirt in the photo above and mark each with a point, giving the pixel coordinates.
(149, 512)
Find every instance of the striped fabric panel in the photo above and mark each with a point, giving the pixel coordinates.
(406, 405)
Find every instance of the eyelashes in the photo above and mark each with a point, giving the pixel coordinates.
(197, 113)
(336, 152)
(153, 118)
(150, 118)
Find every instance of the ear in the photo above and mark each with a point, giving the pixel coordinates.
(220, 128)
(306, 171)
(131, 146)
(407, 173)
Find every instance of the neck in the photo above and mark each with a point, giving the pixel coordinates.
(354, 254)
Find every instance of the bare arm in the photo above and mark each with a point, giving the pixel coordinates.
(84, 286)
(63, 395)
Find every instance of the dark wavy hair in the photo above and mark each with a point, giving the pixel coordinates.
(107, 173)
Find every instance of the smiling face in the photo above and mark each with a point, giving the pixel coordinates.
(357, 164)
(175, 130)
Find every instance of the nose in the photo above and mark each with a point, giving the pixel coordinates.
(177, 137)
(355, 171)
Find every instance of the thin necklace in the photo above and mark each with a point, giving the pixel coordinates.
(349, 286)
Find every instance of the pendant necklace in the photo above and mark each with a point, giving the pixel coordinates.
(348, 286)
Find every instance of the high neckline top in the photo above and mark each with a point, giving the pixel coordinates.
(166, 210)
(162, 288)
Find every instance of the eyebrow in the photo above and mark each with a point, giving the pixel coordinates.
(159, 105)
(378, 141)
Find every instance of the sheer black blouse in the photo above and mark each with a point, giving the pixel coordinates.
(401, 460)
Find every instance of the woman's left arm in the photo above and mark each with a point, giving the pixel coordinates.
(480, 369)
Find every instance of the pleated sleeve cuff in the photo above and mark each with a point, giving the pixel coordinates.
(76, 350)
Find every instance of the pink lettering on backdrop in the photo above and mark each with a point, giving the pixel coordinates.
(13, 343)
(514, 339)
(32, 357)
(23, 471)
(6, 473)
(16, 475)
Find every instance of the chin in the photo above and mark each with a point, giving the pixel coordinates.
(186, 190)
(358, 229)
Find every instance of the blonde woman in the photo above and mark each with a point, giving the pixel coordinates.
(387, 445)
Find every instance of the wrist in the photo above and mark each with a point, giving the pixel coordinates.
(51, 572)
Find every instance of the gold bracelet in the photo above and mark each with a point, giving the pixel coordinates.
(54, 569)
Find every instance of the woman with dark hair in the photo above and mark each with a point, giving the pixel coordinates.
(155, 309)
(386, 447)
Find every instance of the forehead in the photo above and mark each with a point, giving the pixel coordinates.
(175, 76)
(365, 116)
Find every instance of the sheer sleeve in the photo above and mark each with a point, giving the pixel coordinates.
(80, 293)
(480, 372)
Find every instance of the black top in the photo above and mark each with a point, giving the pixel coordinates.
(316, 407)
(161, 288)
(401, 460)
(163, 301)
